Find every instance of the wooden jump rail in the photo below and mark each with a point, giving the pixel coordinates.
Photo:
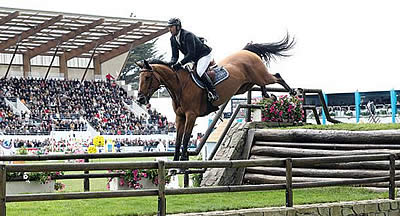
(161, 192)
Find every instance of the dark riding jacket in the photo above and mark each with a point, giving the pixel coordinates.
(190, 45)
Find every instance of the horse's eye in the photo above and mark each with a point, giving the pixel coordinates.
(147, 78)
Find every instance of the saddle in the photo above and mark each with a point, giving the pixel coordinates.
(216, 73)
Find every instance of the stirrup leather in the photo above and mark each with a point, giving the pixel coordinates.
(211, 96)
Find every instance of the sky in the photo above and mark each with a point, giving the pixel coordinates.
(341, 45)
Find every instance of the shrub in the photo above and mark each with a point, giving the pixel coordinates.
(132, 177)
(42, 177)
(285, 108)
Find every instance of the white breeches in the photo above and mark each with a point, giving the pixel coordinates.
(203, 63)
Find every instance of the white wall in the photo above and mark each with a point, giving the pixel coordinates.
(75, 73)
(113, 66)
(14, 71)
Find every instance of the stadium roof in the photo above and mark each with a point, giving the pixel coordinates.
(73, 35)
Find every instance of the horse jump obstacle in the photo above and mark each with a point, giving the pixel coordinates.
(274, 144)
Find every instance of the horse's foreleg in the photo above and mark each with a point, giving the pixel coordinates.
(180, 127)
(284, 84)
(189, 124)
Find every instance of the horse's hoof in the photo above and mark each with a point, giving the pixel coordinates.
(299, 91)
(184, 158)
(172, 172)
(274, 98)
(181, 171)
(296, 92)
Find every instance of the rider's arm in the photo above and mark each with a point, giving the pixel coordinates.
(175, 52)
(190, 43)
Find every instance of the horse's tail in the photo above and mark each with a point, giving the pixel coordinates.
(270, 50)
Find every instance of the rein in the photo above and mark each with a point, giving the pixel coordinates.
(175, 96)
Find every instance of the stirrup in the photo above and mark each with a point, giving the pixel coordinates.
(212, 97)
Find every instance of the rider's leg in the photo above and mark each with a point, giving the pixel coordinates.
(213, 96)
(202, 65)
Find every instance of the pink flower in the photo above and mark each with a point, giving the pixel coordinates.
(121, 182)
(135, 174)
(144, 175)
(281, 113)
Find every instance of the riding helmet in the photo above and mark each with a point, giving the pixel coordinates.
(174, 22)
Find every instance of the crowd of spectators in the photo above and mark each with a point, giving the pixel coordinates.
(68, 104)
(71, 145)
(11, 123)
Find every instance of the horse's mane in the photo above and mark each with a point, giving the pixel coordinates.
(268, 51)
(158, 61)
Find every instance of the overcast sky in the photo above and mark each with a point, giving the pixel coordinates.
(342, 45)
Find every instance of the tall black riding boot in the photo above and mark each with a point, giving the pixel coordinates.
(212, 94)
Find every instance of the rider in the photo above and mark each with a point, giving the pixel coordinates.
(194, 50)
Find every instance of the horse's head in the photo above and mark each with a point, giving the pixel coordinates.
(148, 83)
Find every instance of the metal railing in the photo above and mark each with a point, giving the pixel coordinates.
(161, 192)
(304, 95)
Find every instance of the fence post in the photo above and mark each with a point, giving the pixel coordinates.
(248, 113)
(289, 191)
(392, 180)
(3, 175)
(162, 204)
(86, 180)
(185, 180)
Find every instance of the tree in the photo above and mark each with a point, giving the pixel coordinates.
(130, 73)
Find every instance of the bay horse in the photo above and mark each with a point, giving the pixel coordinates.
(246, 69)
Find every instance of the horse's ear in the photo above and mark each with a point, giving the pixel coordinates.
(147, 65)
(139, 64)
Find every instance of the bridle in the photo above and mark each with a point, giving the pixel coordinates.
(151, 89)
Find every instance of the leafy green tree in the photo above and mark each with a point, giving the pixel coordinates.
(130, 73)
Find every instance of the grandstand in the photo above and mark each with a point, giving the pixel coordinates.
(69, 46)
(57, 79)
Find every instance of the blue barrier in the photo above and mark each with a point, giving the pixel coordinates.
(393, 100)
(323, 113)
(357, 98)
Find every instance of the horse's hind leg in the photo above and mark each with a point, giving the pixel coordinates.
(266, 95)
(264, 92)
(284, 84)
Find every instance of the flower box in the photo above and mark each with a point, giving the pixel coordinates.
(115, 184)
(284, 111)
(17, 187)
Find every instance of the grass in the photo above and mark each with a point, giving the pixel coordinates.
(189, 203)
(192, 203)
(349, 127)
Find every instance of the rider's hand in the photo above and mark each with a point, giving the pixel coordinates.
(177, 66)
